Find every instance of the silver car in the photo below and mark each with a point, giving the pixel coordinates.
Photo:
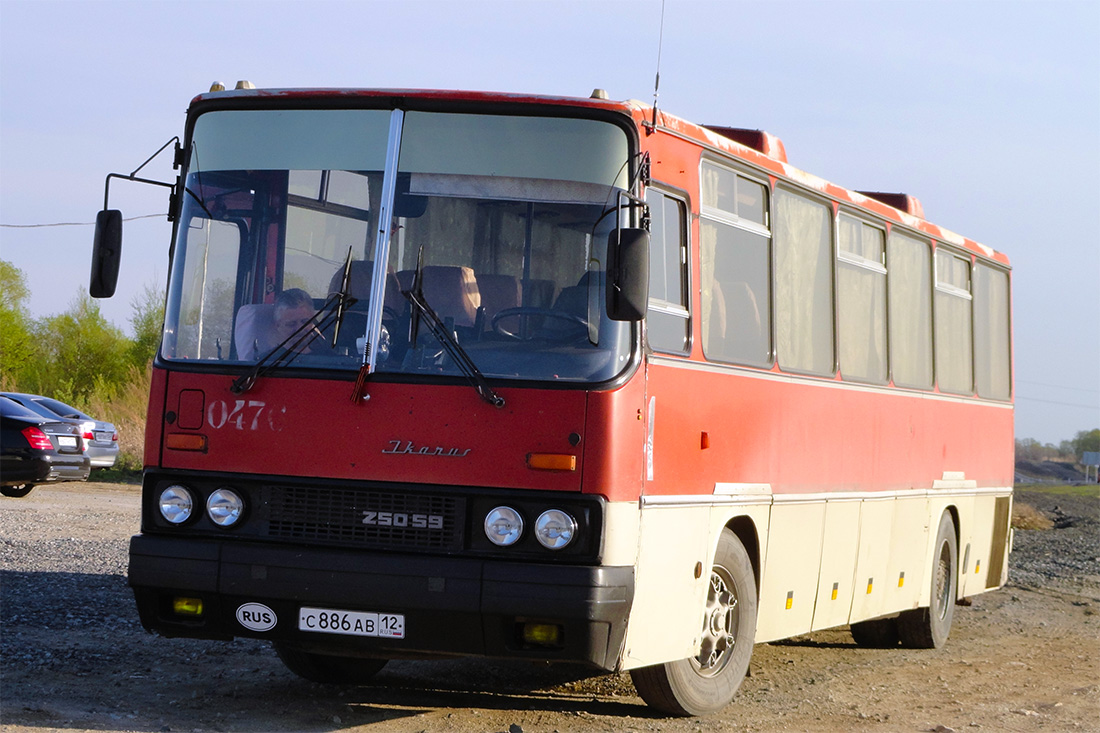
(100, 437)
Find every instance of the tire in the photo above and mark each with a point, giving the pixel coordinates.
(927, 628)
(328, 669)
(16, 492)
(707, 683)
(879, 633)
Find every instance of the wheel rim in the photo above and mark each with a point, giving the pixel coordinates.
(943, 580)
(719, 625)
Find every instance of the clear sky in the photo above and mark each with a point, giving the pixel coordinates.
(989, 112)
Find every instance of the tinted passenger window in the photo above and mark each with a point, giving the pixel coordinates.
(910, 286)
(954, 371)
(861, 300)
(735, 264)
(992, 368)
(803, 283)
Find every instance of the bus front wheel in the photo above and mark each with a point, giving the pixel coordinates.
(927, 628)
(326, 668)
(707, 683)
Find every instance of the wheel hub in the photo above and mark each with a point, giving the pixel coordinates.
(719, 625)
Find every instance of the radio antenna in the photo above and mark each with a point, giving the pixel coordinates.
(657, 80)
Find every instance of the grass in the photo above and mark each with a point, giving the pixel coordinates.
(1092, 490)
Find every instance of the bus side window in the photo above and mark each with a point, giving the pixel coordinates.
(667, 317)
(734, 257)
(861, 301)
(909, 289)
(952, 319)
(992, 334)
(803, 283)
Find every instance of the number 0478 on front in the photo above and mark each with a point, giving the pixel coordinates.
(351, 623)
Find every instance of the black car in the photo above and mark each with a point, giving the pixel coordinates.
(101, 438)
(35, 449)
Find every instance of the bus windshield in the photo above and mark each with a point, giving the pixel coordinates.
(499, 222)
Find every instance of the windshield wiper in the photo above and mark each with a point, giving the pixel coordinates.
(293, 345)
(421, 310)
(345, 300)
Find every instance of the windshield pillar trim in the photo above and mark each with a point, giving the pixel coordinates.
(382, 243)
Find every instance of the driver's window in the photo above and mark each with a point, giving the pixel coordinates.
(206, 301)
(667, 318)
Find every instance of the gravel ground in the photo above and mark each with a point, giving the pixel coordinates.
(74, 656)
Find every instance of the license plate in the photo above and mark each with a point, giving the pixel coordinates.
(103, 437)
(66, 441)
(351, 623)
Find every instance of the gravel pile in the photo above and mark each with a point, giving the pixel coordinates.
(74, 656)
(1069, 554)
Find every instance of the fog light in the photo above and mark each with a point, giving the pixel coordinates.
(503, 526)
(542, 634)
(176, 504)
(224, 507)
(187, 606)
(554, 529)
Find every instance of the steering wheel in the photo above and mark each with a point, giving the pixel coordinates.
(526, 313)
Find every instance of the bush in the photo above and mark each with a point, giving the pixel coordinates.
(1025, 516)
(125, 406)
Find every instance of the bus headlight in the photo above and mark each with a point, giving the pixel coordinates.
(176, 504)
(224, 507)
(554, 529)
(503, 526)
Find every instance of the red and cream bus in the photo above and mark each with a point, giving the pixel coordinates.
(566, 379)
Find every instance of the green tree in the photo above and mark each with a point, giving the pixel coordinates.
(77, 353)
(147, 320)
(1086, 441)
(16, 340)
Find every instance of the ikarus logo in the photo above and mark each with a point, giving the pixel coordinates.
(257, 617)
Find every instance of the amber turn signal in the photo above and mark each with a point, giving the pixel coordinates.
(552, 461)
(185, 441)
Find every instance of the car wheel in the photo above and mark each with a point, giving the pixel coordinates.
(707, 683)
(927, 628)
(326, 668)
(16, 492)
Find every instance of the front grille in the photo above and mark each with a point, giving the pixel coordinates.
(364, 518)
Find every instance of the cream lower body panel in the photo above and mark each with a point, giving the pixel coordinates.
(826, 559)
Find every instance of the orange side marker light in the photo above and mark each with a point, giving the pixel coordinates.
(552, 461)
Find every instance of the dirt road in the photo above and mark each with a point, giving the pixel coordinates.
(74, 657)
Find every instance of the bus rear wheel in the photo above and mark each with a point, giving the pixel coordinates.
(326, 668)
(879, 633)
(707, 683)
(927, 628)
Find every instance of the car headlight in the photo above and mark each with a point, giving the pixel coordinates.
(224, 507)
(176, 504)
(554, 529)
(503, 526)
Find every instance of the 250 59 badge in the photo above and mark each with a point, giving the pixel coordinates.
(351, 623)
(403, 519)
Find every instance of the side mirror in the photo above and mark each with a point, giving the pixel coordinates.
(627, 274)
(106, 253)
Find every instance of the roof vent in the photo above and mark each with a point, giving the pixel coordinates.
(900, 201)
(758, 140)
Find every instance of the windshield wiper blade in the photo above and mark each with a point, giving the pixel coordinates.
(345, 300)
(423, 311)
(292, 346)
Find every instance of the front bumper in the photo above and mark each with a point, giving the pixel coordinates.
(452, 606)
